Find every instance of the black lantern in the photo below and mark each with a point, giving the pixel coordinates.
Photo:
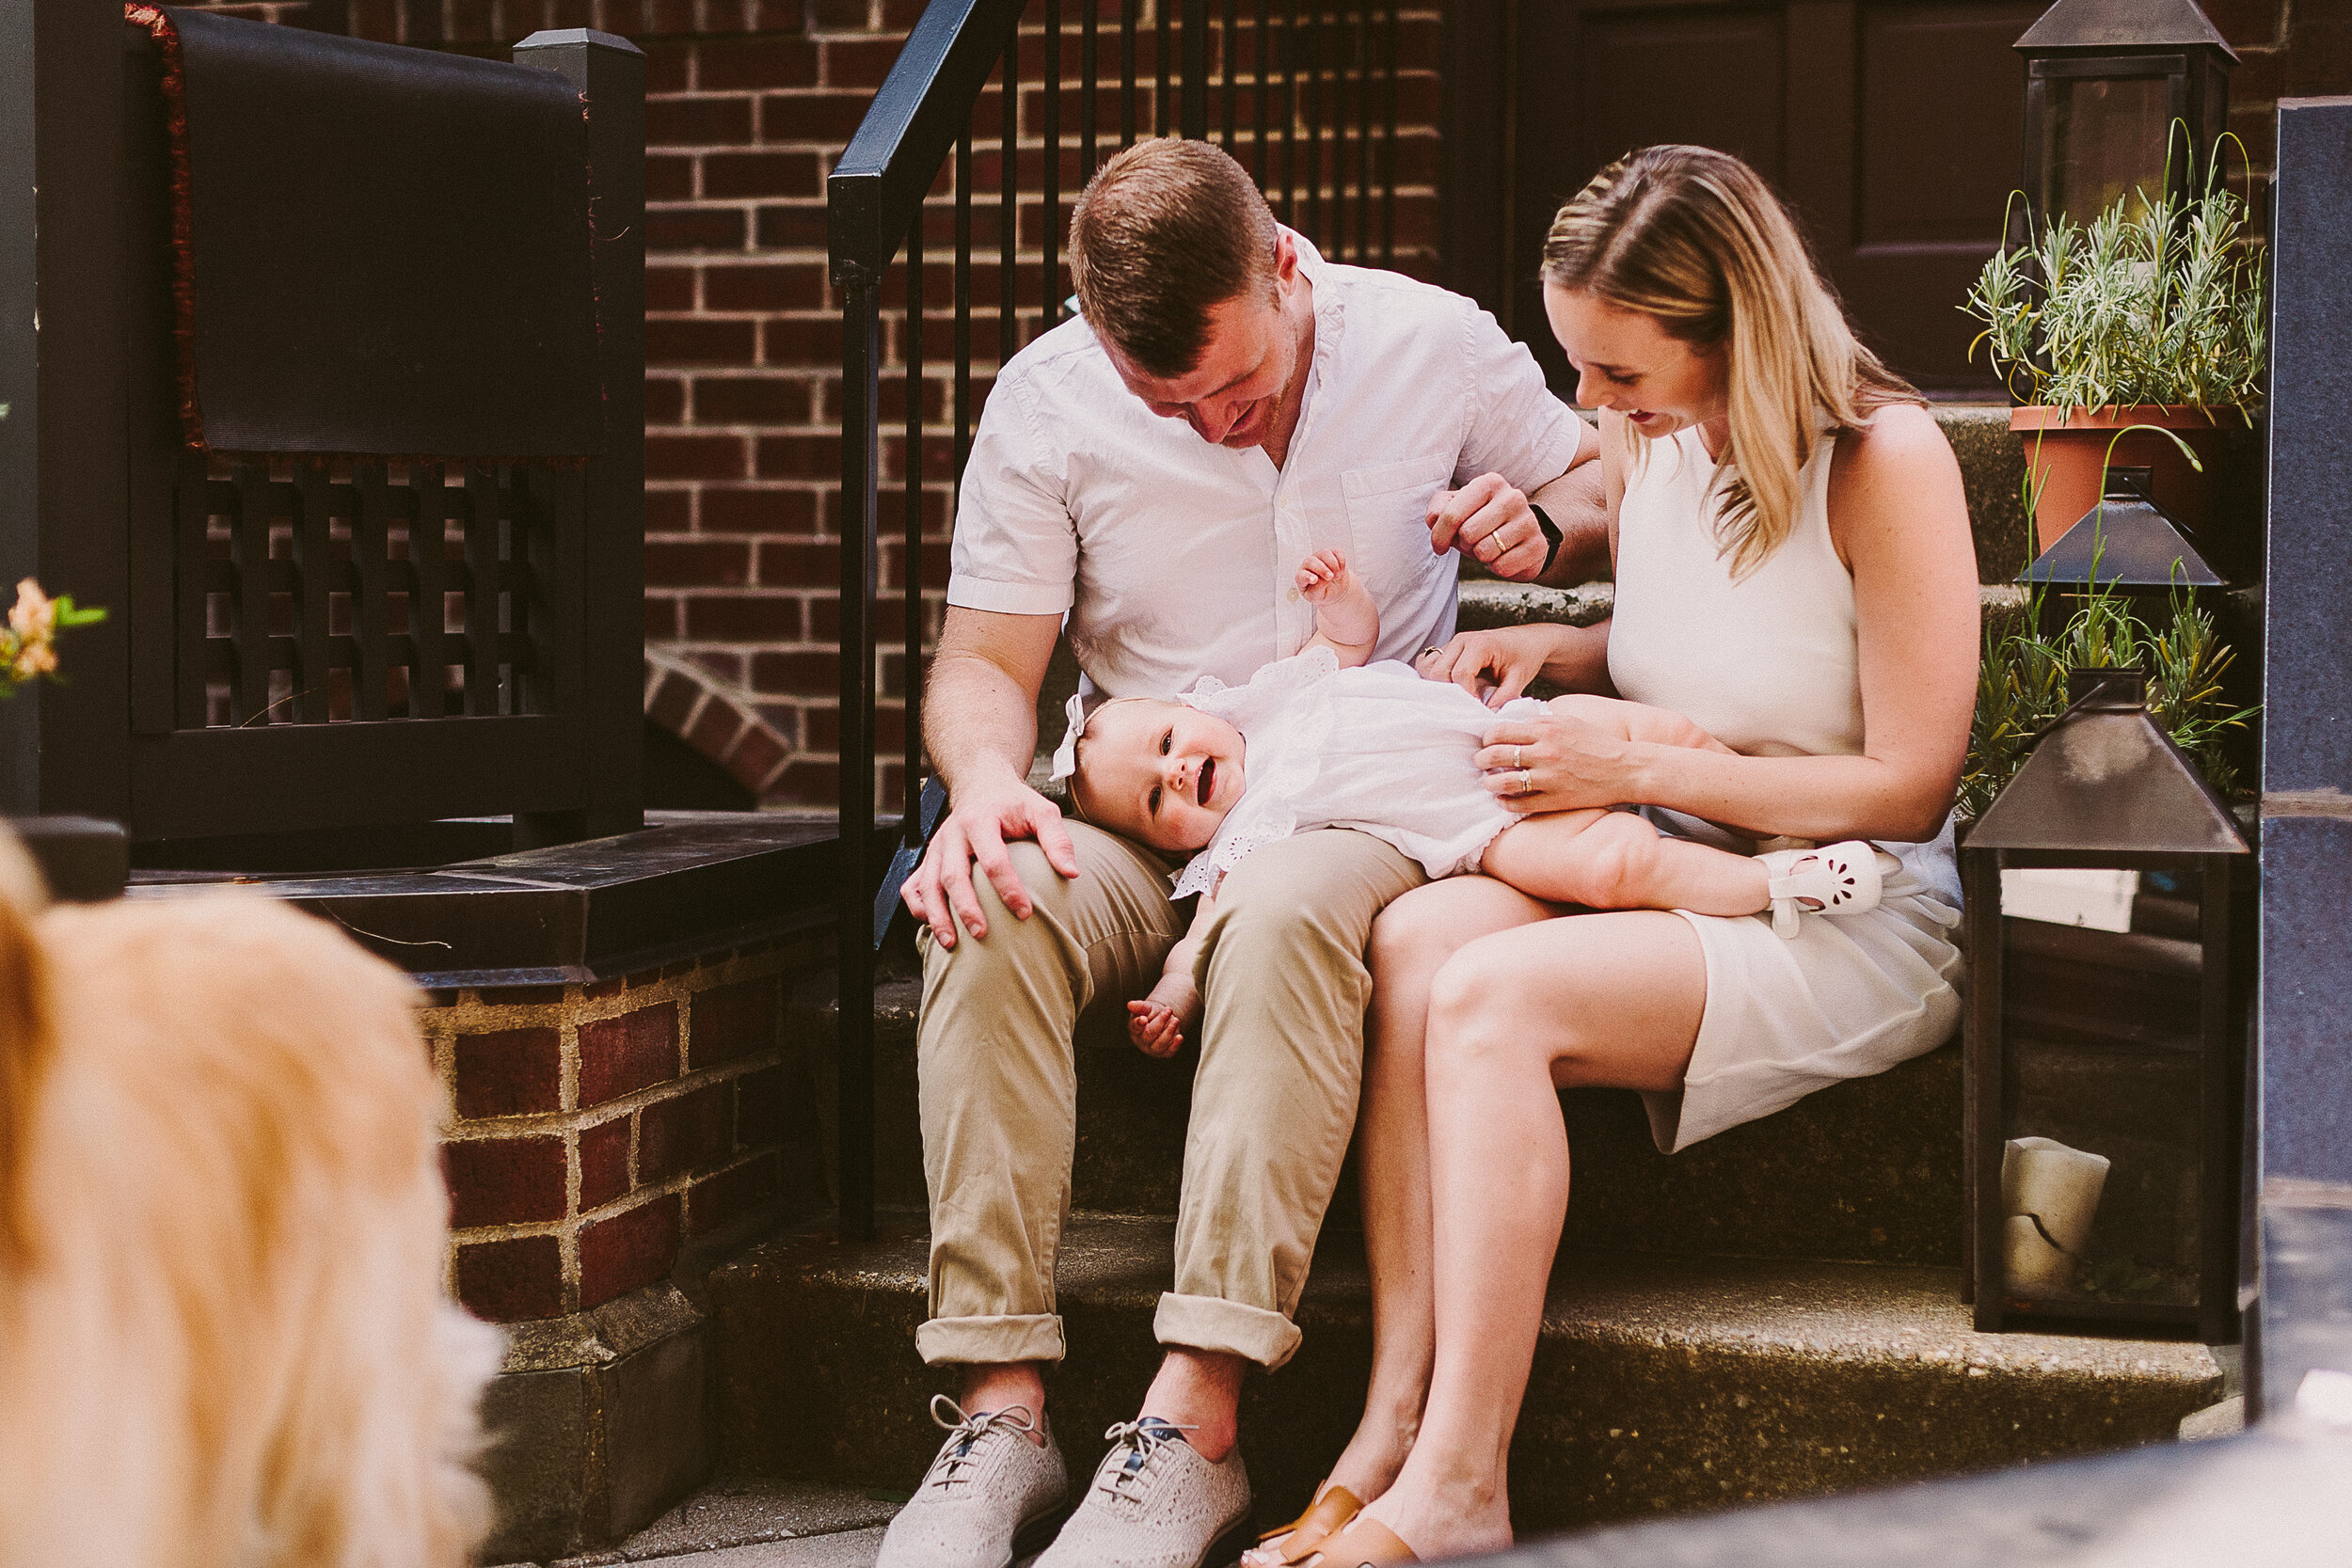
(2106, 82)
(2104, 1051)
(2126, 545)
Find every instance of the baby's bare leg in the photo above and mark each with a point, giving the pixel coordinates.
(1637, 721)
(1613, 860)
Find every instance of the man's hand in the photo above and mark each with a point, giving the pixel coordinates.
(1157, 1023)
(983, 819)
(1489, 520)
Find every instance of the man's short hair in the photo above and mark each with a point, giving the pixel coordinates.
(1164, 233)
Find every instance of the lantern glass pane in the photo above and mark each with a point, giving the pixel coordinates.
(2101, 138)
(2102, 989)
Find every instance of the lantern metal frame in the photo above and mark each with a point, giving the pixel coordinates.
(2043, 829)
(2120, 41)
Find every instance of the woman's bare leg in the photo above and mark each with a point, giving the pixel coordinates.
(1412, 939)
(1597, 1000)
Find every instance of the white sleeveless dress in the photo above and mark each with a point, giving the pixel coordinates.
(1770, 664)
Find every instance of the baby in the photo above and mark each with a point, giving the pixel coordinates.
(1326, 739)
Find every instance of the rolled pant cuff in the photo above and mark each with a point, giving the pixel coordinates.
(990, 1342)
(1213, 1323)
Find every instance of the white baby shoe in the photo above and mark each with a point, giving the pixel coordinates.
(1836, 878)
(991, 1497)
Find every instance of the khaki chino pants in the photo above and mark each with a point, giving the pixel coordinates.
(1273, 1102)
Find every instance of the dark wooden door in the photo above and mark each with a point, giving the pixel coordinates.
(1890, 125)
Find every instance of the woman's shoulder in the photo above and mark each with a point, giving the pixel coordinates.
(1894, 436)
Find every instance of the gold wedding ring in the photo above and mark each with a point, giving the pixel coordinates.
(1426, 652)
(1526, 782)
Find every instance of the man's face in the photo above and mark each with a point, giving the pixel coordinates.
(1231, 396)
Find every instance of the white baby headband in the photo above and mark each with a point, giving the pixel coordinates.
(1066, 754)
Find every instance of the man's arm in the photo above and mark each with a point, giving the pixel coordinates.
(1577, 505)
(980, 710)
(1492, 521)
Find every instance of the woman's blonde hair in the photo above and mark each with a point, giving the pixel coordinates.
(1694, 240)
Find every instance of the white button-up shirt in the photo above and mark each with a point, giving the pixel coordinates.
(1174, 559)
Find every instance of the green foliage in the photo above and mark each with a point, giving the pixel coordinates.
(2021, 685)
(2165, 308)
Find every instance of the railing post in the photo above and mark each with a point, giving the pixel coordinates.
(610, 625)
(64, 496)
(861, 353)
(1194, 121)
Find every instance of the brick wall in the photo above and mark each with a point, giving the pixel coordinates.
(2286, 49)
(750, 102)
(599, 1127)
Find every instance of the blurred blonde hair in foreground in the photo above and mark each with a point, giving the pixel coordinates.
(223, 1340)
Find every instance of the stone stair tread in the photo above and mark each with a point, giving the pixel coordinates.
(756, 1520)
(1661, 1383)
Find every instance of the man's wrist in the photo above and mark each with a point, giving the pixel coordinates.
(1552, 537)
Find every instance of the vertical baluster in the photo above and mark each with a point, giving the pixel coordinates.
(1226, 86)
(369, 633)
(1049, 312)
(191, 569)
(1009, 204)
(428, 548)
(1126, 73)
(963, 303)
(1195, 117)
(1088, 50)
(1161, 11)
(1388, 144)
(1317, 115)
(911, 506)
(1364, 53)
(314, 579)
(249, 549)
(853, 910)
(1289, 115)
(1259, 55)
(482, 589)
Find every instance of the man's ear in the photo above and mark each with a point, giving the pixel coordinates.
(1285, 258)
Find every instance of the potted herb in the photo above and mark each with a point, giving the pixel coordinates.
(2152, 319)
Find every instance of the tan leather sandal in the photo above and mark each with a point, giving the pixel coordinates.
(1330, 1513)
(1366, 1543)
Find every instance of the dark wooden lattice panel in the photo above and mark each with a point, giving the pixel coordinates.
(311, 594)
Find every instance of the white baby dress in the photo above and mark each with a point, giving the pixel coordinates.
(1375, 748)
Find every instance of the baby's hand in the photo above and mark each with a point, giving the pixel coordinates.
(1324, 575)
(1157, 1022)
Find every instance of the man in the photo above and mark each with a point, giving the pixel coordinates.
(1227, 404)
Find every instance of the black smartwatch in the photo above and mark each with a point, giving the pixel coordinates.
(1551, 539)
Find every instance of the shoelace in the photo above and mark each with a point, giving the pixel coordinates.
(965, 1431)
(1140, 1438)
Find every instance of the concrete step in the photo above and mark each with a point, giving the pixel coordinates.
(1660, 1383)
(1866, 1171)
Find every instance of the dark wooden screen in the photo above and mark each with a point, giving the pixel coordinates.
(1892, 126)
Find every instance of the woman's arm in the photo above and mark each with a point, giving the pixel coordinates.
(1900, 520)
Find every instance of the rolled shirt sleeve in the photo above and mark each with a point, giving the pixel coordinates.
(1517, 428)
(1016, 548)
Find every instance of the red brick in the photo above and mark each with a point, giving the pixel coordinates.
(734, 175)
(669, 511)
(2319, 54)
(673, 455)
(634, 1247)
(800, 340)
(698, 341)
(670, 177)
(747, 63)
(714, 729)
(513, 1280)
(732, 1194)
(799, 563)
(673, 701)
(684, 1134)
(701, 563)
(728, 666)
(669, 288)
(864, 62)
(505, 1180)
(757, 754)
(807, 782)
(828, 116)
(780, 287)
(765, 511)
(2245, 21)
(695, 228)
(759, 1107)
(662, 618)
(513, 1073)
(835, 15)
(728, 1022)
(666, 403)
(740, 617)
(750, 399)
(621, 1055)
(796, 671)
(698, 121)
(790, 227)
(800, 456)
(603, 1162)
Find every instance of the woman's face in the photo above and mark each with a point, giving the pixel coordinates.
(1626, 361)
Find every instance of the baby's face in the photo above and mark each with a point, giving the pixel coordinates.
(1161, 772)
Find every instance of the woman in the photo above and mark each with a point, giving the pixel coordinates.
(1794, 574)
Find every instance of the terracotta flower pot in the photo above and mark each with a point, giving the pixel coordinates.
(2067, 450)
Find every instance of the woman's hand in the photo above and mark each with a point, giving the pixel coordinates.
(1494, 666)
(1557, 762)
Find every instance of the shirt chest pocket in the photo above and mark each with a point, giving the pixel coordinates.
(1388, 521)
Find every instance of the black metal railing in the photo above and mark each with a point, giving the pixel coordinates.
(1303, 93)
